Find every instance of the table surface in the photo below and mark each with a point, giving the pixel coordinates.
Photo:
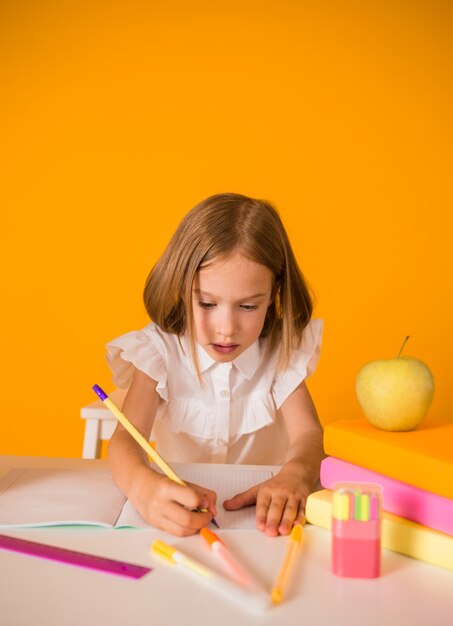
(38, 591)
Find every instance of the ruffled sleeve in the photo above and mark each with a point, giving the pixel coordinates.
(302, 364)
(137, 350)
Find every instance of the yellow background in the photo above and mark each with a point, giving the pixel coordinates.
(117, 118)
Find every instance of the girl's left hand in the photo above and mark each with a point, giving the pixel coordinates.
(280, 501)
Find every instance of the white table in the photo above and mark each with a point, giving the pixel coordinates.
(36, 591)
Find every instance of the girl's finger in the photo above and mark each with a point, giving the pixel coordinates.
(262, 507)
(301, 519)
(172, 527)
(208, 496)
(189, 497)
(274, 515)
(289, 517)
(189, 520)
(240, 500)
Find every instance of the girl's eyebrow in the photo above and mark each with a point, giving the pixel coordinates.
(200, 292)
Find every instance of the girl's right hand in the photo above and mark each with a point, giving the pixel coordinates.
(172, 507)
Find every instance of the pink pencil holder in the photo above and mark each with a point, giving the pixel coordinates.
(356, 529)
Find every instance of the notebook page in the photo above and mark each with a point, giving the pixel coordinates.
(225, 480)
(46, 497)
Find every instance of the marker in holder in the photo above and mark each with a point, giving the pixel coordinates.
(356, 530)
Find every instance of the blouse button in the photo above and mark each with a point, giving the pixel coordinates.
(224, 394)
(221, 442)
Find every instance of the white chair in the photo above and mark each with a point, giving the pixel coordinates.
(99, 424)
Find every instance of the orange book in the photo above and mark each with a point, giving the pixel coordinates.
(421, 457)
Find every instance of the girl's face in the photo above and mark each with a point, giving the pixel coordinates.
(230, 302)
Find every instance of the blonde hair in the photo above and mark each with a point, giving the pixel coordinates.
(214, 229)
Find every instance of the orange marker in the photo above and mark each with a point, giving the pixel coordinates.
(293, 547)
(235, 569)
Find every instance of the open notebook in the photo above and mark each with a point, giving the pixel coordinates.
(50, 497)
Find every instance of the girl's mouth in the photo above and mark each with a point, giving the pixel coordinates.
(225, 348)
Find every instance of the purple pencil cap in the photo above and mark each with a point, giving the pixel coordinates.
(97, 390)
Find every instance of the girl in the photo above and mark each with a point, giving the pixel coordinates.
(219, 375)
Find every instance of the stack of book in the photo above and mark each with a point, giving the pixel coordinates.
(415, 469)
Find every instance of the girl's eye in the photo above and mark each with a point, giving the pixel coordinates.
(211, 305)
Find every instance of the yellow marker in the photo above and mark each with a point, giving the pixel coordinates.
(341, 505)
(294, 543)
(142, 442)
(173, 556)
(249, 598)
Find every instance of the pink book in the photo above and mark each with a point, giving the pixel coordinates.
(399, 498)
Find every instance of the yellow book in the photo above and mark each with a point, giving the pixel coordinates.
(398, 534)
(422, 457)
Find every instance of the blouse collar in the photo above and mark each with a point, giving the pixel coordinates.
(247, 362)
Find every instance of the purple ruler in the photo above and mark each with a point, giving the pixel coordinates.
(71, 557)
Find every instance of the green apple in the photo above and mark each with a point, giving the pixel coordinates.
(395, 393)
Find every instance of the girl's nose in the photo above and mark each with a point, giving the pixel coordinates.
(226, 324)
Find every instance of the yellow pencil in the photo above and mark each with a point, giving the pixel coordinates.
(142, 442)
(292, 549)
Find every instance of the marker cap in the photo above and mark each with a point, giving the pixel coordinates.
(163, 550)
(359, 501)
(210, 536)
(100, 392)
(296, 533)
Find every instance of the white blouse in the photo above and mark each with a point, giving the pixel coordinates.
(233, 416)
